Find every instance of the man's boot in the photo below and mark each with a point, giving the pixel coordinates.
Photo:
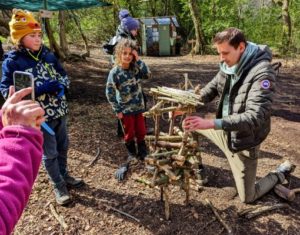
(284, 170)
(142, 150)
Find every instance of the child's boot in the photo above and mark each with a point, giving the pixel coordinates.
(73, 181)
(142, 150)
(131, 149)
(62, 195)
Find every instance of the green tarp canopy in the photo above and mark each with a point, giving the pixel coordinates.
(51, 5)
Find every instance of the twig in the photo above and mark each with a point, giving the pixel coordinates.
(226, 226)
(95, 159)
(58, 217)
(263, 209)
(123, 213)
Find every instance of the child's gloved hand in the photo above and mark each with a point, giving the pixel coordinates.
(61, 91)
(48, 87)
(121, 172)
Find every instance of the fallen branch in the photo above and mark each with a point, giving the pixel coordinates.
(218, 216)
(58, 217)
(260, 210)
(95, 159)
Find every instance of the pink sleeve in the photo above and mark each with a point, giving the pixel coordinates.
(20, 157)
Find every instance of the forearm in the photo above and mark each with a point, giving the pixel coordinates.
(21, 153)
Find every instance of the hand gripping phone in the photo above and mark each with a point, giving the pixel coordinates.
(23, 80)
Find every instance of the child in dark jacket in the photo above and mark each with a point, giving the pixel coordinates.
(124, 93)
(50, 82)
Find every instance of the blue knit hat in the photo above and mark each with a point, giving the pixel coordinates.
(127, 21)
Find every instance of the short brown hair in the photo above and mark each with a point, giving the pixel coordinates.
(124, 43)
(233, 36)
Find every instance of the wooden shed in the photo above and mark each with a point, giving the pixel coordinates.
(159, 35)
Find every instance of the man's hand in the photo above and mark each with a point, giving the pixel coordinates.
(193, 123)
(16, 111)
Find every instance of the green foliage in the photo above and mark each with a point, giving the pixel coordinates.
(261, 23)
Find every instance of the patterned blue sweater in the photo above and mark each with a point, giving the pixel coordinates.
(45, 67)
(123, 88)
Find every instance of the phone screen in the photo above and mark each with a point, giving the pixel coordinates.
(23, 80)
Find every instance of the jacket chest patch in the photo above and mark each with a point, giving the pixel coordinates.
(265, 84)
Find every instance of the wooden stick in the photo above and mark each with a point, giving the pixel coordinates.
(167, 144)
(163, 110)
(218, 216)
(162, 154)
(166, 137)
(156, 106)
(186, 78)
(167, 204)
(58, 217)
(123, 213)
(187, 186)
(168, 172)
(191, 85)
(95, 159)
(156, 129)
(260, 210)
(172, 122)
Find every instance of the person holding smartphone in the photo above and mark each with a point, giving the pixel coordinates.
(50, 82)
(21, 149)
(124, 93)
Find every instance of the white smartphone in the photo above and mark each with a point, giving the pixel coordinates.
(23, 80)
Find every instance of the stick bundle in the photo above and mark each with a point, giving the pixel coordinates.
(174, 156)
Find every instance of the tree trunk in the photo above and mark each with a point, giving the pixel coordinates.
(166, 7)
(53, 44)
(200, 43)
(87, 49)
(152, 6)
(287, 26)
(4, 19)
(62, 33)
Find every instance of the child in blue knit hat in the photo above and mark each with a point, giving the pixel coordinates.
(128, 27)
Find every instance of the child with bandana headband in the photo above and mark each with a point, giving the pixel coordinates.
(50, 81)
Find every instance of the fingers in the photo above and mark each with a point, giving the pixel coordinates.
(11, 91)
(191, 123)
(19, 95)
(39, 121)
(135, 55)
(24, 112)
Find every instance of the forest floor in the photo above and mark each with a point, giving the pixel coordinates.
(92, 127)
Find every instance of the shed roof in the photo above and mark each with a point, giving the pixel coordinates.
(148, 21)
